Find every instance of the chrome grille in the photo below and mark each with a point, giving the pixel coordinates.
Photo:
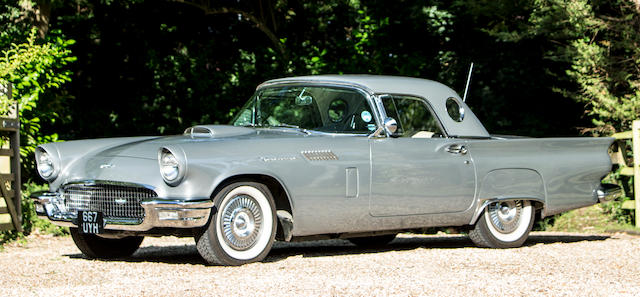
(114, 201)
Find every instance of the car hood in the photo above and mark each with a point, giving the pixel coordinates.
(148, 148)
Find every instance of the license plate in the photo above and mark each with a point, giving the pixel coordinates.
(90, 222)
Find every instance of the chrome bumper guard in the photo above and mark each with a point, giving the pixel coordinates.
(159, 213)
(608, 192)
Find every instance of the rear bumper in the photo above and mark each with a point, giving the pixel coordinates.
(608, 192)
(159, 213)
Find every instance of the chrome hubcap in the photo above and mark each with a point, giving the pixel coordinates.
(241, 222)
(505, 215)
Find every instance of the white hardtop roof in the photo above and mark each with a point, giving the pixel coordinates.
(375, 84)
(434, 92)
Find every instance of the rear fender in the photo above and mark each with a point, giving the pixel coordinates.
(509, 184)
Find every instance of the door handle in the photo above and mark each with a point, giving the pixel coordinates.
(457, 149)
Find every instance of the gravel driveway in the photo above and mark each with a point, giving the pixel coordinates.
(550, 264)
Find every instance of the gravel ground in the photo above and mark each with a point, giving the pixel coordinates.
(550, 264)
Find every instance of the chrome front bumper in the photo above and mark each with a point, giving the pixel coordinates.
(159, 213)
(608, 192)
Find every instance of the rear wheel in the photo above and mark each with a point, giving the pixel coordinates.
(372, 241)
(96, 247)
(504, 224)
(244, 227)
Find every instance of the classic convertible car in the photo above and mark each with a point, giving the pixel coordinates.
(356, 157)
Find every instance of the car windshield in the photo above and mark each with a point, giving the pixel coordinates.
(323, 109)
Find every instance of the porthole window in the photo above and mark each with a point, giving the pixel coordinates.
(337, 110)
(455, 111)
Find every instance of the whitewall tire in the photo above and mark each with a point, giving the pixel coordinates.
(243, 228)
(504, 224)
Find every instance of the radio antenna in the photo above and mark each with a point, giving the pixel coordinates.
(466, 88)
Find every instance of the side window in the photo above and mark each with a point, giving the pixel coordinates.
(346, 111)
(415, 119)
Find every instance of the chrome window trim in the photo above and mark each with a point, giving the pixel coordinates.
(316, 83)
(461, 109)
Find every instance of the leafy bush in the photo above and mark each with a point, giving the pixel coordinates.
(30, 221)
(33, 68)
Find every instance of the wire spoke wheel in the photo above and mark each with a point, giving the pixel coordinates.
(504, 224)
(505, 215)
(241, 222)
(244, 228)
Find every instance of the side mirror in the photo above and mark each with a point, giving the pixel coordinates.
(390, 125)
(304, 100)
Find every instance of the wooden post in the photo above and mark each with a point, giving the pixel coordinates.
(636, 168)
(10, 210)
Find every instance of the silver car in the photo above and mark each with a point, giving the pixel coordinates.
(357, 157)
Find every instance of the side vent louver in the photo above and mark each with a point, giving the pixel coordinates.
(319, 155)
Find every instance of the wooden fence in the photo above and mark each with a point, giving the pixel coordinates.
(10, 195)
(630, 167)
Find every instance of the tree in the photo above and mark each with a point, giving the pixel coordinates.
(598, 44)
(33, 68)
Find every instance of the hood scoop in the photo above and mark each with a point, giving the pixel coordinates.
(216, 131)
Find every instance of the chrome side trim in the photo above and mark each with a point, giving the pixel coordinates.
(608, 192)
(187, 214)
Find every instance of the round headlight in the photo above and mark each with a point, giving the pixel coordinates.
(170, 167)
(46, 164)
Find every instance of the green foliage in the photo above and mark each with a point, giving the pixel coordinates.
(33, 69)
(597, 44)
(614, 208)
(604, 64)
(593, 47)
(156, 67)
(593, 219)
(30, 221)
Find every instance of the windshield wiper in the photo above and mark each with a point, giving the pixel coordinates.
(283, 125)
(286, 126)
(253, 125)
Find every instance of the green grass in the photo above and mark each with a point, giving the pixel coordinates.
(592, 219)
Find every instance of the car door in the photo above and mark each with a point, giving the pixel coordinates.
(418, 170)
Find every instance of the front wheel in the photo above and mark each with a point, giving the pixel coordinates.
(504, 224)
(244, 227)
(96, 247)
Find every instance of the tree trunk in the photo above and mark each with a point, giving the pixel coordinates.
(257, 21)
(39, 14)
